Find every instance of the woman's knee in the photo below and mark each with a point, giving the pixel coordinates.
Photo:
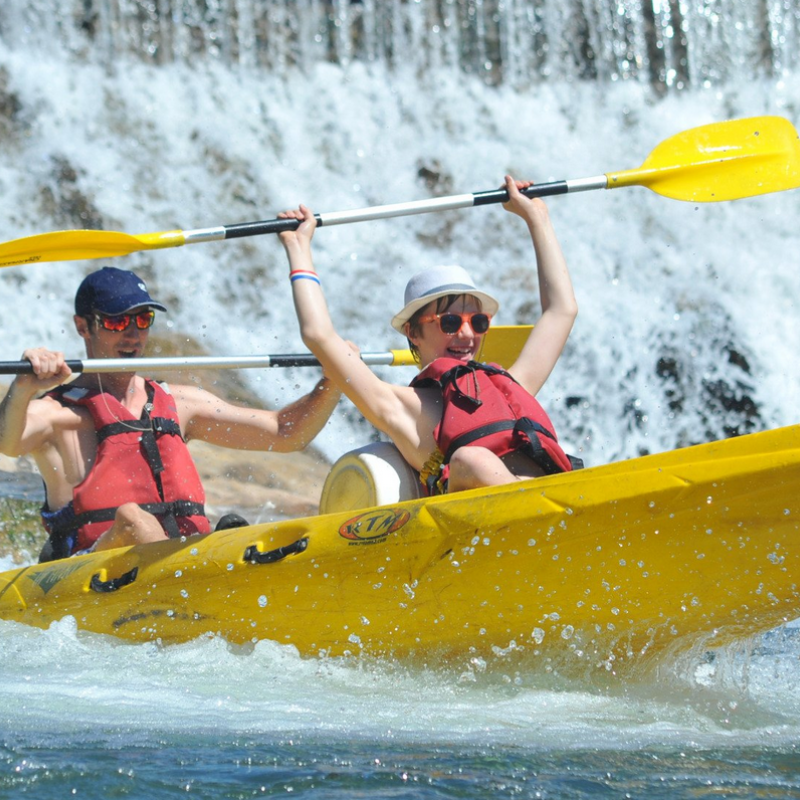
(470, 459)
(471, 467)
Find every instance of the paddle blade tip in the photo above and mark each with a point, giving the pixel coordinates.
(721, 161)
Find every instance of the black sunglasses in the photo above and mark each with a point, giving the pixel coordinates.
(451, 323)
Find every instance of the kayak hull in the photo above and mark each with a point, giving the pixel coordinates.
(611, 565)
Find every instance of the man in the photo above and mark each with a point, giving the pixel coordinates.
(111, 449)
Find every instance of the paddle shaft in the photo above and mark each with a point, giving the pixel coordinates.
(721, 161)
(95, 365)
(450, 203)
(502, 344)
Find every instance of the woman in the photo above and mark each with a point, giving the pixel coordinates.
(444, 414)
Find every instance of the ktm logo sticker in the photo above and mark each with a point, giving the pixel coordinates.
(374, 525)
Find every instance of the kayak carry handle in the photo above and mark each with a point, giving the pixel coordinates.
(255, 556)
(99, 585)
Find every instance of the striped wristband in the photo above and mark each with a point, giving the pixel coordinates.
(301, 274)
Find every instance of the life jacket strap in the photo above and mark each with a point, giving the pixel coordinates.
(159, 425)
(453, 375)
(62, 525)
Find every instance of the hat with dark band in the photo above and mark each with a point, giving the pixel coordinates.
(431, 284)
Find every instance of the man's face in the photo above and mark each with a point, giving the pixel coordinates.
(117, 336)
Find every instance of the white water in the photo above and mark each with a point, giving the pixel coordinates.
(91, 684)
(178, 147)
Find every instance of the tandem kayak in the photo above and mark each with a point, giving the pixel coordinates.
(615, 564)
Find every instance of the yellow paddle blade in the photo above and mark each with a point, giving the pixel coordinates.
(79, 245)
(722, 161)
(503, 344)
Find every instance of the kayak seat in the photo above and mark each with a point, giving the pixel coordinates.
(373, 475)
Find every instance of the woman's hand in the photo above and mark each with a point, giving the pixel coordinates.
(302, 236)
(531, 209)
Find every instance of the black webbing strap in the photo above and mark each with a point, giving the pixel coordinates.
(159, 425)
(61, 525)
(479, 433)
(533, 448)
(530, 429)
(464, 370)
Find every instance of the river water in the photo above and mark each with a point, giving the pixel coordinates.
(148, 116)
(89, 717)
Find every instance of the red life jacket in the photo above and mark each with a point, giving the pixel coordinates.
(484, 405)
(144, 461)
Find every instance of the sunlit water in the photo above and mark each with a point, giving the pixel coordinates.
(687, 331)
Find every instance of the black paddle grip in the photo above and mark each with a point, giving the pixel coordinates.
(265, 226)
(26, 368)
(537, 190)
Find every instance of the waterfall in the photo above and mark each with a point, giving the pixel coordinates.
(668, 45)
(150, 115)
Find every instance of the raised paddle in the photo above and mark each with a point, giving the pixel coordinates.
(722, 161)
(501, 344)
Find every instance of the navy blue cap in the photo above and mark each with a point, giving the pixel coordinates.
(112, 291)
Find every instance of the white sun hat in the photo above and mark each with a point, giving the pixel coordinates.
(431, 284)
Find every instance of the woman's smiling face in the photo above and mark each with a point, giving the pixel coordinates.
(433, 343)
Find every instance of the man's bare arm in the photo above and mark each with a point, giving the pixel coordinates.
(209, 418)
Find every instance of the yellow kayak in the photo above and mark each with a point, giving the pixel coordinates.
(610, 565)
